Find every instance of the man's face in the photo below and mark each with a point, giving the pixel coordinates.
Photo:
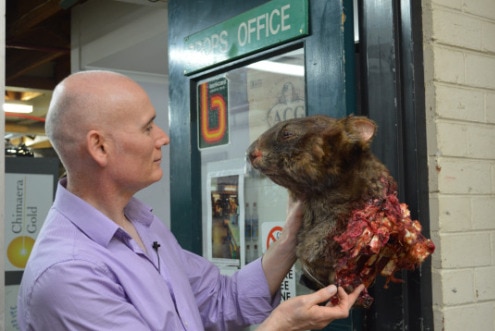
(137, 141)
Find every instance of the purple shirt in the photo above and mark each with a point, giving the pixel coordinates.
(86, 273)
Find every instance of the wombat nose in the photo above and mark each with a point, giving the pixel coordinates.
(254, 154)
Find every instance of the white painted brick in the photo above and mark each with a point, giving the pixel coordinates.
(448, 65)
(457, 287)
(456, 4)
(462, 176)
(465, 250)
(436, 287)
(438, 319)
(436, 257)
(469, 140)
(434, 206)
(481, 141)
(459, 50)
(483, 213)
(493, 247)
(483, 8)
(477, 317)
(457, 29)
(433, 173)
(460, 103)
(480, 70)
(493, 178)
(454, 213)
(485, 283)
(488, 37)
(431, 133)
(452, 139)
(490, 107)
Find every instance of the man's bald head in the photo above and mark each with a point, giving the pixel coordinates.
(84, 101)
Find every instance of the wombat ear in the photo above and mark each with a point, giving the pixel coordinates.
(364, 127)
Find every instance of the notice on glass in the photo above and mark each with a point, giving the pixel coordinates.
(225, 219)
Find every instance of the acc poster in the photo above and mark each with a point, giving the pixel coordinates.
(273, 98)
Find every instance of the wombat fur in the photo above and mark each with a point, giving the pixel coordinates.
(327, 163)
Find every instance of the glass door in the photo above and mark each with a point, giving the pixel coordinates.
(219, 108)
(244, 211)
(234, 108)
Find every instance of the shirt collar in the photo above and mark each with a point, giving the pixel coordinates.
(90, 220)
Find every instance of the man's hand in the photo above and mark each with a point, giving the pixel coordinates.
(305, 312)
(293, 221)
(281, 255)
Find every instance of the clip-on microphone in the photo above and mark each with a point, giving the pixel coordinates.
(155, 246)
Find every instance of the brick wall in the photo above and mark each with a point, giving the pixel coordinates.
(459, 56)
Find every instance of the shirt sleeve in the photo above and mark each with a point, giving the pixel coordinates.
(230, 302)
(95, 301)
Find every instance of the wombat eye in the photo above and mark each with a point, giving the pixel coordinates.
(287, 134)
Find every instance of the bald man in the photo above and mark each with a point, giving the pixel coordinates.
(97, 265)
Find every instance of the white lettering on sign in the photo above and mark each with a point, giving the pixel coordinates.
(264, 25)
(216, 43)
(272, 23)
(288, 286)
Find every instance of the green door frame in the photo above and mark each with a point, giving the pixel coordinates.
(392, 95)
(325, 53)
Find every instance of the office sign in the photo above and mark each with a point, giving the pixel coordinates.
(262, 27)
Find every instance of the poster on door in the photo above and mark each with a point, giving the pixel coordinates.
(213, 112)
(273, 98)
(225, 214)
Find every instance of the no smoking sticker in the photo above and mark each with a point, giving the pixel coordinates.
(270, 232)
(273, 235)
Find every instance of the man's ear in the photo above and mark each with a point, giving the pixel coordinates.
(96, 146)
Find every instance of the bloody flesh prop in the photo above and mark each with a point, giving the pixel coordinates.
(354, 228)
(380, 239)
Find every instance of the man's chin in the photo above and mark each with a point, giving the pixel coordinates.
(158, 176)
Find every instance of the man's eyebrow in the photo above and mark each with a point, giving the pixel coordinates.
(151, 120)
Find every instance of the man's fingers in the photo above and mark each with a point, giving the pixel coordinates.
(323, 295)
(355, 294)
(349, 299)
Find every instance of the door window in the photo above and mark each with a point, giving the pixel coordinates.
(243, 211)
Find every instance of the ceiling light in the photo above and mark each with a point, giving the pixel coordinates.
(17, 108)
(279, 68)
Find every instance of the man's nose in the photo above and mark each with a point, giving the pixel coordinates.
(164, 139)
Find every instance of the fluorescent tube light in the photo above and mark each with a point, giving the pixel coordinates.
(279, 68)
(17, 108)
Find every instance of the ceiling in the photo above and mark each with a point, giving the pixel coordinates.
(38, 57)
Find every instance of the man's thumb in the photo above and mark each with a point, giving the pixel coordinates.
(331, 289)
